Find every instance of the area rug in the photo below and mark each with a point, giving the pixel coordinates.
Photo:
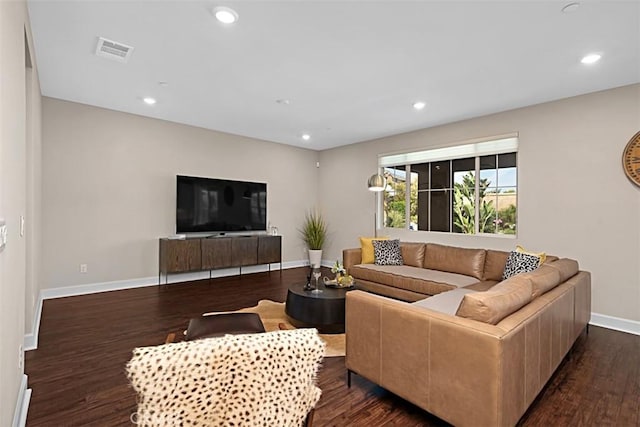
(274, 318)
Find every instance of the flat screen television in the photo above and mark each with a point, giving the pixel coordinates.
(207, 205)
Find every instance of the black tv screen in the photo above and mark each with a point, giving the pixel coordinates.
(220, 205)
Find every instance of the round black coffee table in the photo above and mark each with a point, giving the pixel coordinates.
(323, 311)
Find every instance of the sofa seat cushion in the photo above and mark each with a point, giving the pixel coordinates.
(497, 303)
(421, 280)
(445, 302)
(469, 262)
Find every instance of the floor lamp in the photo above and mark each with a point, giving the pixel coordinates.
(376, 184)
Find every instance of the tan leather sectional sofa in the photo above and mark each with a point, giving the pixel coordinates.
(479, 351)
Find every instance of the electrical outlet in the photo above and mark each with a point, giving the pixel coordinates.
(83, 268)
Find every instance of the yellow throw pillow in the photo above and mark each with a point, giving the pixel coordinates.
(367, 248)
(540, 255)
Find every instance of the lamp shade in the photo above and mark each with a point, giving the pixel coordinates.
(376, 183)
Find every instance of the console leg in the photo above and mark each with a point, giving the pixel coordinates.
(587, 329)
(348, 378)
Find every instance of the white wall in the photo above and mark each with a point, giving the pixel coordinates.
(573, 197)
(15, 163)
(33, 193)
(109, 188)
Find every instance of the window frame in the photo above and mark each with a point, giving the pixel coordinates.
(496, 145)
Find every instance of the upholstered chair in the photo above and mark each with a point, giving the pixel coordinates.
(249, 380)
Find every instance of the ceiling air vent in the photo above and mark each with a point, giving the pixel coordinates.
(113, 50)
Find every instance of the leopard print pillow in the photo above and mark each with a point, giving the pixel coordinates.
(387, 252)
(520, 262)
(250, 380)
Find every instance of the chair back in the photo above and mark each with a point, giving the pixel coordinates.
(249, 380)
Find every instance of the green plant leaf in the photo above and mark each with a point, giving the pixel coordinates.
(314, 230)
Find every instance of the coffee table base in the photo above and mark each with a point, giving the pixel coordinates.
(323, 311)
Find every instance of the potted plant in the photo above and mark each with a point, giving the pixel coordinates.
(314, 234)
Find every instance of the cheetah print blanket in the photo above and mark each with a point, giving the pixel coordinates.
(264, 379)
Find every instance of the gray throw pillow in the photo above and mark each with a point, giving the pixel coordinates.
(387, 252)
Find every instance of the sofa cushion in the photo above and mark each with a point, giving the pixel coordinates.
(387, 252)
(494, 264)
(519, 262)
(420, 280)
(366, 245)
(567, 268)
(483, 285)
(469, 262)
(412, 253)
(445, 302)
(494, 305)
(543, 279)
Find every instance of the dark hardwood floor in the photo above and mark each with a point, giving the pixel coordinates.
(77, 372)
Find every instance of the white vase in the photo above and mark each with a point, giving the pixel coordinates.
(315, 257)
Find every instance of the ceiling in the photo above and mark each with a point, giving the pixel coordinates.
(350, 70)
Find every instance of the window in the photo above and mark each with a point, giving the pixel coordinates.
(395, 197)
(442, 193)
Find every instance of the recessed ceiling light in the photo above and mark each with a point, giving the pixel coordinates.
(592, 58)
(283, 101)
(571, 7)
(306, 136)
(163, 84)
(419, 105)
(149, 101)
(225, 15)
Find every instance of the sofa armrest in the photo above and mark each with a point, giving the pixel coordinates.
(351, 257)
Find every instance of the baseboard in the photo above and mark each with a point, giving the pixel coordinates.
(31, 339)
(92, 288)
(615, 323)
(22, 404)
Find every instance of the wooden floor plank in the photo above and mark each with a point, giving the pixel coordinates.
(77, 372)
